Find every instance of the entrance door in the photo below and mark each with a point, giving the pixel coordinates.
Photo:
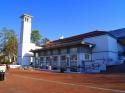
(41, 62)
(48, 61)
(63, 62)
(37, 63)
(73, 63)
(55, 62)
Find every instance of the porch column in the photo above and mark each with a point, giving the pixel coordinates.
(79, 61)
(59, 62)
(31, 61)
(51, 63)
(39, 62)
(68, 62)
(34, 61)
(45, 62)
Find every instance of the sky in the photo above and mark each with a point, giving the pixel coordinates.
(54, 18)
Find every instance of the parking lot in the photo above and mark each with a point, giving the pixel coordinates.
(31, 81)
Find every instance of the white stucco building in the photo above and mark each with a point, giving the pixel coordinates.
(88, 52)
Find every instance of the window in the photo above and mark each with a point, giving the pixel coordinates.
(48, 52)
(55, 58)
(74, 58)
(63, 58)
(26, 19)
(47, 58)
(87, 56)
(63, 51)
(42, 53)
(41, 59)
(73, 50)
(55, 52)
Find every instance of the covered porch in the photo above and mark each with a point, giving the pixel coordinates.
(70, 57)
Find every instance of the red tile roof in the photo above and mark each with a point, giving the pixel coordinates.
(73, 39)
(77, 37)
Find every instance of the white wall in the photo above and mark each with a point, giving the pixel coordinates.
(24, 54)
(101, 46)
(113, 47)
(112, 44)
(100, 41)
(105, 48)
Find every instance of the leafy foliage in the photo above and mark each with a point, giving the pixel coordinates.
(8, 45)
(42, 41)
(11, 47)
(35, 36)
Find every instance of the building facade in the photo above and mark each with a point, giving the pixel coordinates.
(90, 52)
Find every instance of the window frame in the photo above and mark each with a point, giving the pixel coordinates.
(89, 56)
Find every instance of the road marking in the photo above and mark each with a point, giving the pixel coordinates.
(71, 84)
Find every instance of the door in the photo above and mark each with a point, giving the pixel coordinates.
(55, 62)
(63, 62)
(48, 61)
(73, 63)
(41, 62)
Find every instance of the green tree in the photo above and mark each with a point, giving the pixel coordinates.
(45, 40)
(10, 48)
(35, 36)
(8, 45)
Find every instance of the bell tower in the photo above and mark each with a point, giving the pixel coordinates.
(24, 45)
(25, 28)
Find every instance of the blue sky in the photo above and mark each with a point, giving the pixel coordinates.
(55, 18)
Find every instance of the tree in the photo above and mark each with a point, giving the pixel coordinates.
(11, 48)
(35, 36)
(5, 34)
(8, 44)
(42, 41)
(46, 40)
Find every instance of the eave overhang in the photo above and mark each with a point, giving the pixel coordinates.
(62, 45)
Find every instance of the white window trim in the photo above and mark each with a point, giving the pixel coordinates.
(89, 56)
